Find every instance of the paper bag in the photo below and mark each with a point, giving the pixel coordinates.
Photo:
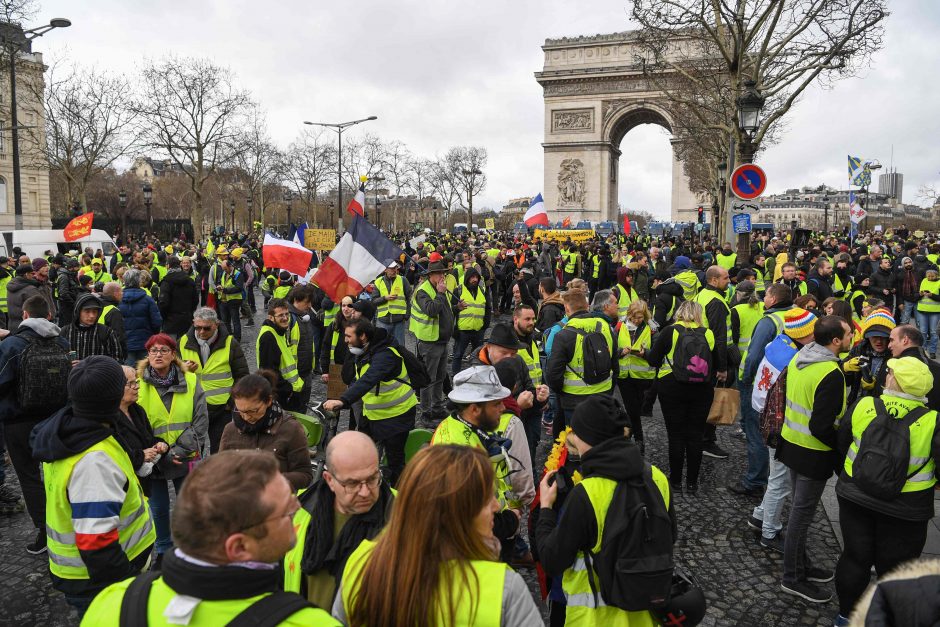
(724, 407)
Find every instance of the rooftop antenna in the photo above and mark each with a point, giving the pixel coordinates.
(891, 164)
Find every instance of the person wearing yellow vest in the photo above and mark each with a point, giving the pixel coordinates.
(789, 278)
(473, 316)
(237, 512)
(726, 257)
(841, 279)
(273, 352)
(208, 350)
(176, 408)
(599, 435)
(893, 529)
(432, 322)
(624, 292)
(634, 340)
(229, 293)
(446, 494)
(523, 326)
(717, 318)
(6, 275)
(570, 262)
(928, 310)
(815, 402)
(382, 384)
(97, 524)
(97, 274)
(392, 302)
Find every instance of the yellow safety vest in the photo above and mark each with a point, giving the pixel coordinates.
(228, 280)
(689, 282)
(424, 327)
(329, 316)
(596, 265)
(471, 318)
(748, 316)
(704, 298)
(574, 371)
(726, 261)
(287, 365)
(389, 398)
(280, 291)
(634, 366)
(666, 368)
(801, 395)
(99, 277)
(921, 466)
(395, 307)
(759, 283)
(169, 424)
(452, 431)
(624, 300)
(925, 304)
(215, 376)
(135, 525)
(3, 293)
(570, 260)
(530, 355)
(839, 286)
(482, 607)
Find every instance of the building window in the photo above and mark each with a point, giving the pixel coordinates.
(3, 195)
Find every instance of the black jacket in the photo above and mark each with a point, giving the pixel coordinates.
(716, 312)
(384, 365)
(178, 300)
(562, 353)
(818, 286)
(135, 434)
(879, 281)
(669, 296)
(305, 346)
(269, 356)
(115, 319)
(67, 287)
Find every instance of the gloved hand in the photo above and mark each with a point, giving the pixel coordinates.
(868, 384)
(851, 365)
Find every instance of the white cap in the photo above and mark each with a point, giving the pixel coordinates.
(477, 384)
(394, 264)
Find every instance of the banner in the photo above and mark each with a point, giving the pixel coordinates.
(320, 239)
(489, 223)
(78, 227)
(561, 235)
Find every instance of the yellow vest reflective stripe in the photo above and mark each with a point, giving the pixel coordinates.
(634, 366)
(482, 607)
(135, 525)
(287, 365)
(452, 431)
(533, 362)
(748, 317)
(624, 300)
(704, 298)
(570, 259)
(280, 291)
(839, 286)
(395, 307)
(726, 261)
(293, 573)
(389, 398)
(925, 304)
(574, 371)
(471, 318)
(329, 316)
(215, 376)
(759, 284)
(689, 282)
(666, 368)
(584, 608)
(921, 466)
(228, 280)
(424, 327)
(3, 293)
(801, 394)
(169, 424)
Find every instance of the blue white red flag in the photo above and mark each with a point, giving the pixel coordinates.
(361, 255)
(536, 214)
(358, 203)
(285, 255)
(299, 234)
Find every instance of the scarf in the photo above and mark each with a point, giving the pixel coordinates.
(163, 382)
(205, 346)
(217, 583)
(260, 426)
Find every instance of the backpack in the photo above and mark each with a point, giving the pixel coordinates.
(691, 356)
(775, 406)
(42, 380)
(418, 375)
(881, 463)
(596, 352)
(634, 565)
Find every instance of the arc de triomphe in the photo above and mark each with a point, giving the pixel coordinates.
(594, 94)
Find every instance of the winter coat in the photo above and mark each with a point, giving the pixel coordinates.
(818, 286)
(178, 300)
(285, 438)
(305, 343)
(115, 320)
(19, 289)
(67, 287)
(10, 350)
(141, 318)
(94, 339)
(908, 595)
(881, 280)
(195, 437)
(551, 311)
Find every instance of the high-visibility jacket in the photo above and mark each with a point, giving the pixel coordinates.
(424, 327)
(228, 280)
(287, 365)
(748, 317)
(159, 272)
(625, 298)
(570, 261)
(705, 297)
(396, 307)
(530, 355)
(471, 318)
(281, 291)
(759, 282)
(584, 607)
(452, 431)
(801, 395)
(333, 338)
(596, 265)
(926, 304)
(3, 293)
(574, 371)
(389, 398)
(102, 277)
(634, 366)
(134, 525)
(215, 376)
(933, 258)
(329, 316)
(484, 605)
(168, 424)
(839, 286)
(689, 282)
(726, 261)
(666, 367)
(921, 468)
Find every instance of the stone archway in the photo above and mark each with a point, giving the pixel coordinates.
(595, 94)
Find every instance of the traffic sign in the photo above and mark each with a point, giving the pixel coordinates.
(741, 223)
(745, 206)
(748, 181)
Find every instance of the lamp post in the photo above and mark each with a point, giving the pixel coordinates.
(471, 174)
(338, 128)
(15, 39)
(826, 215)
(749, 105)
(122, 203)
(378, 178)
(231, 225)
(288, 197)
(148, 201)
(722, 196)
(251, 223)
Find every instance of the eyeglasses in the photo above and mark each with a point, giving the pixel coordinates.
(159, 351)
(292, 509)
(353, 485)
(202, 328)
(251, 413)
(281, 316)
(133, 384)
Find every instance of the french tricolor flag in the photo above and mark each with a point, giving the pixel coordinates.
(361, 255)
(536, 214)
(285, 255)
(357, 204)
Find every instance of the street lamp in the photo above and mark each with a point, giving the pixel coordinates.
(749, 105)
(288, 197)
(231, 225)
(122, 203)
(251, 215)
(826, 215)
(338, 128)
(148, 201)
(332, 218)
(378, 178)
(15, 39)
(471, 174)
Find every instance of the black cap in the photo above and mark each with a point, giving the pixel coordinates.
(365, 307)
(96, 387)
(599, 418)
(503, 335)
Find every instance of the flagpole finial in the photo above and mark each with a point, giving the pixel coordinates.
(363, 178)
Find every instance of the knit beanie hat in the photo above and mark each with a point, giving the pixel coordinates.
(798, 323)
(599, 418)
(39, 263)
(682, 262)
(96, 387)
(878, 324)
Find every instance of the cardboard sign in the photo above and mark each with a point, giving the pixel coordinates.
(490, 223)
(335, 386)
(562, 235)
(320, 239)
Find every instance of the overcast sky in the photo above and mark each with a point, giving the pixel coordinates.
(440, 74)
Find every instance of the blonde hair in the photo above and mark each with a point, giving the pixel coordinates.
(690, 312)
(577, 284)
(639, 306)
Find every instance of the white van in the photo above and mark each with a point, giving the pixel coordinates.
(36, 242)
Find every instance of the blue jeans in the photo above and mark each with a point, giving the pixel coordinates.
(927, 323)
(770, 510)
(908, 312)
(462, 340)
(757, 464)
(395, 329)
(160, 509)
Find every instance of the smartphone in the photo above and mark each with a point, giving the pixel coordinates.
(73, 355)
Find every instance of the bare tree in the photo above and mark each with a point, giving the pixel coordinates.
(465, 165)
(443, 184)
(256, 159)
(191, 111)
(309, 166)
(397, 167)
(362, 157)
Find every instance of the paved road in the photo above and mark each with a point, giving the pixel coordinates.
(741, 579)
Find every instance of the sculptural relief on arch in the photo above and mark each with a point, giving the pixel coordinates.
(594, 94)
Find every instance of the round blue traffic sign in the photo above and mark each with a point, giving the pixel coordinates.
(748, 181)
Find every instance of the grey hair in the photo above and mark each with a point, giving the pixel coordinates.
(110, 289)
(132, 278)
(601, 299)
(206, 313)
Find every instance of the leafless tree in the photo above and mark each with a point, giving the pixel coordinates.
(362, 157)
(443, 183)
(191, 111)
(309, 165)
(466, 165)
(256, 159)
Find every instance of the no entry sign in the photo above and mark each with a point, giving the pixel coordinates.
(748, 181)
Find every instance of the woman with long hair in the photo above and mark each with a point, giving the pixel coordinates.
(434, 563)
(634, 340)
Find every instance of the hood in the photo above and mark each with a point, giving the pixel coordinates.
(470, 273)
(381, 340)
(813, 353)
(133, 294)
(618, 459)
(554, 299)
(83, 299)
(20, 283)
(41, 327)
(62, 435)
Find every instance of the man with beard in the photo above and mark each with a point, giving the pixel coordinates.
(819, 281)
(473, 316)
(273, 353)
(841, 279)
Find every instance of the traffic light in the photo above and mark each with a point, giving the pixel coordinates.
(701, 215)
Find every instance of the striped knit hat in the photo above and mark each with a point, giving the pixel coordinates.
(798, 323)
(878, 324)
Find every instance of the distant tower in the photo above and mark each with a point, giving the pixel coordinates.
(891, 184)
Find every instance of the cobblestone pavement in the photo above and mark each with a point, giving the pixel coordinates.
(741, 580)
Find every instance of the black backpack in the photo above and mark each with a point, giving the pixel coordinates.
(634, 565)
(42, 380)
(596, 351)
(691, 356)
(881, 463)
(418, 375)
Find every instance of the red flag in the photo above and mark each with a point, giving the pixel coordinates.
(357, 204)
(626, 224)
(78, 227)
(566, 222)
